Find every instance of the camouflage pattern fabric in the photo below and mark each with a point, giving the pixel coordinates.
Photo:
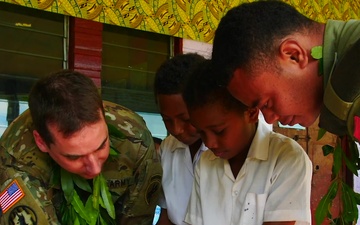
(341, 108)
(134, 175)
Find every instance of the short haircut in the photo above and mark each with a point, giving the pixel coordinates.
(67, 99)
(171, 76)
(248, 35)
(202, 90)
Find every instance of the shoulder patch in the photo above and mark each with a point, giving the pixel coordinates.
(10, 196)
(22, 215)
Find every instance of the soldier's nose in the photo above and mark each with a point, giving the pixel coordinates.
(92, 165)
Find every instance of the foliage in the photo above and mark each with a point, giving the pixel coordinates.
(74, 211)
(348, 198)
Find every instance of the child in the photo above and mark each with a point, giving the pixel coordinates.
(181, 149)
(251, 175)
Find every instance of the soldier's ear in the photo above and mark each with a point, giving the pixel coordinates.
(40, 142)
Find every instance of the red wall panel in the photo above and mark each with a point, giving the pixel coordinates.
(85, 48)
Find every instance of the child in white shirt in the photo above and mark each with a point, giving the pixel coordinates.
(182, 148)
(251, 176)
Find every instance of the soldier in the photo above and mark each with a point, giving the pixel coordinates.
(68, 125)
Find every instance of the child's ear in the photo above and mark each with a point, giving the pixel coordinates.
(253, 114)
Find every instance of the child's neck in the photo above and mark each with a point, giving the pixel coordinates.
(237, 162)
(194, 148)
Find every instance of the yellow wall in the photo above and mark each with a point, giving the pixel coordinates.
(190, 19)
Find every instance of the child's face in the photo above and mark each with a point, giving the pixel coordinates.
(176, 118)
(227, 133)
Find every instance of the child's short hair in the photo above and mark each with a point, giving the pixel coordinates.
(171, 75)
(203, 89)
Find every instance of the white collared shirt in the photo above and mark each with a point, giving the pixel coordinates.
(178, 176)
(273, 185)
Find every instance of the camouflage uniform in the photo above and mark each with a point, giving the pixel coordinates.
(134, 175)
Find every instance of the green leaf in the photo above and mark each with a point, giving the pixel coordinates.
(113, 131)
(55, 179)
(67, 185)
(106, 197)
(79, 207)
(82, 183)
(350, 165)
(323, 209)
(354, 153)
(72, 213)
(337, 159)
(65, 219)
(92, 213)
(77, 222)
(316, 52)
(113, 151)
(357, 198)
(321, 133)
(106, 217)
(96, 192)
(347, 205)
(327, 149)
(350, 210)
(102, 221)
(101, 202)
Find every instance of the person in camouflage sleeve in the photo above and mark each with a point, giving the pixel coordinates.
(67, 124)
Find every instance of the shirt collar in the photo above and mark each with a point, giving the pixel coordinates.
(259, 148)
(180, 146)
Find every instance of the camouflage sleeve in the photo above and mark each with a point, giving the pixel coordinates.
(23, 200)
(24, 194)
(140, 207)
(137, 154)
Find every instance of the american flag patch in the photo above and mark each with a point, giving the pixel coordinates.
(10, 196)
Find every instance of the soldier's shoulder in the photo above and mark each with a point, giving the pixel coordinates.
(17, 130)
(116, 113)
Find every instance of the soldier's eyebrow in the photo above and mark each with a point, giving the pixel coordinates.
(101, 146)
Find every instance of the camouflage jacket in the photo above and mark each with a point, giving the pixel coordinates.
(134, 175)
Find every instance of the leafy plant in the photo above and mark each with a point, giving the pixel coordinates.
(348, 197)
(74, 211)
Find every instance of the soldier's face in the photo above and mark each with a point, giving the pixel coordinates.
(83, 153)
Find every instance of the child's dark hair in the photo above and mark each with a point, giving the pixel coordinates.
(202, 89)
(171, 76)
